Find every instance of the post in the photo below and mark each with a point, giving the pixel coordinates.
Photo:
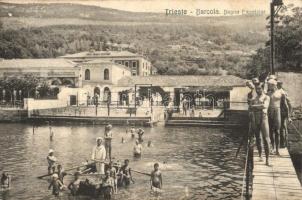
(272, 69)
(135, 99)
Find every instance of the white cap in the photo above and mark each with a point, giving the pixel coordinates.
(99, 138)
(50, 151)
(272, 77)
(272, 82)
(55, 176)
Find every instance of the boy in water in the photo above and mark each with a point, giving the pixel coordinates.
(56, 185)
(156, 178)
(113, 173)
(51, 159)
(61, 173)
(137, 149)
(132, 131)
(108, 185)
(140, 134)
(75, 184)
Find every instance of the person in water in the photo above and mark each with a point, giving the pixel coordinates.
(56, 185)
(61, 173)
(108, 186)
(108, 139)
(260, 109)
(51, 159)
(132, 131)
(137, 149)
(125, 176)
(75, 184)
(156, 178)
(5, 181)
(140, 134)
(113, 175)
(99, 155)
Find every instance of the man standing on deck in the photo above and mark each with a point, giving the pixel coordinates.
(274, 113)
(99, 155)
(108, 138)
(285, 115)
(260, 108)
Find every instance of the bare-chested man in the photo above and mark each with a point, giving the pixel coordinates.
(274, 113)
(260, 109)
(285, 115)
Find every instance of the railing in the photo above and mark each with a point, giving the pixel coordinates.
(247, 180)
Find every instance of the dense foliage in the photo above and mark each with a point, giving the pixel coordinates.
(288, 44)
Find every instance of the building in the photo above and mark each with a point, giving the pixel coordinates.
(138, 64)
(57, 72)
(98, 77)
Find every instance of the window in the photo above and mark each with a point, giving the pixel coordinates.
(87, 74)
(127, 64)
(106, 74)
(134, 64)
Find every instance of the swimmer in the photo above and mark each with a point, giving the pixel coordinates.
(156, 178)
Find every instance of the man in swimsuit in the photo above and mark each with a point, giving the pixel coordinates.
(51, 159)
(259, 107)
(286, 109)
(156, 178)
(274, 113)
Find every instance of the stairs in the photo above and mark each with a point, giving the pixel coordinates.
(232, 119)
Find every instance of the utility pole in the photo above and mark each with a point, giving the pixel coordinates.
(273, 13)
(272, 66)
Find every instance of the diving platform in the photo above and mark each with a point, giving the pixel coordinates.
(277, 181)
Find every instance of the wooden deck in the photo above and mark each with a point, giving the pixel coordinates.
(278, 181)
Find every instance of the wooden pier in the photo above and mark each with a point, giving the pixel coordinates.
(278, 181)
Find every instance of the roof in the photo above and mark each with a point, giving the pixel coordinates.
(100, 61)
(183, 81)
(101, 54)
(36, 63)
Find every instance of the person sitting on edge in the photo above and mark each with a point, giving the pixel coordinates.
(140, 134)
(156, 178)
(137, 149)
(125, 174)
(56, 185)
(75, 184)
(5, 181)
(99, 155)
(51, 159)
(108, 139)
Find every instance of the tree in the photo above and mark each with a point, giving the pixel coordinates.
(288, 45)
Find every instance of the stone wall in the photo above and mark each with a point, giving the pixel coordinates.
(12, 115)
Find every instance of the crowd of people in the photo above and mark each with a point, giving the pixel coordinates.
(269, 114)
(112, 175)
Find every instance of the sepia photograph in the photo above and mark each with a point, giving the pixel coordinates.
(150, 99)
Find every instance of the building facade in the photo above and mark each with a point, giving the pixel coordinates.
(138, 64)
(56, 72)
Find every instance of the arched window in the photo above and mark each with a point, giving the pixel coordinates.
(87, 74)
(106, 74)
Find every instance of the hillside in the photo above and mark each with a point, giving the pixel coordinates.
(207, 44)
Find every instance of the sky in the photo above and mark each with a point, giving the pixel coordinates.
(161, 5)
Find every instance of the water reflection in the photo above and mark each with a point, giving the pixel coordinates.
(197, 163)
